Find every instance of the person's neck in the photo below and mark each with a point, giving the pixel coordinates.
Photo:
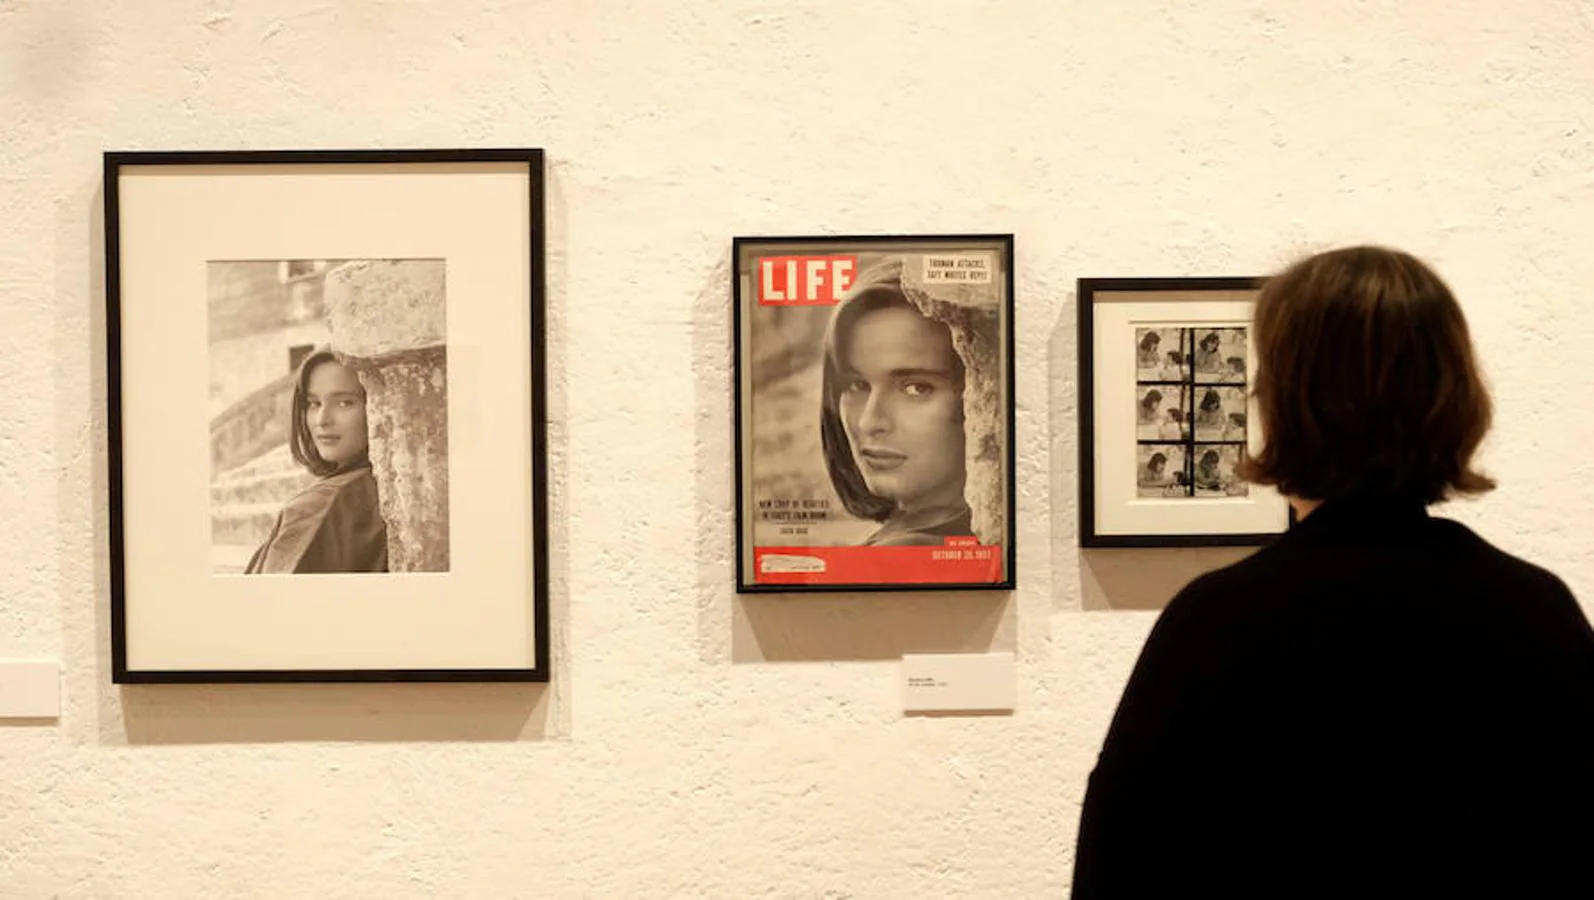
(929, 509)
(1303, 507)
(1385, 506)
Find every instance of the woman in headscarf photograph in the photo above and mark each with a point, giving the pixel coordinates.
(892, 415)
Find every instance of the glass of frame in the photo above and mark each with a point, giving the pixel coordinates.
(874, 413)
(326, 415)
(1166, 412)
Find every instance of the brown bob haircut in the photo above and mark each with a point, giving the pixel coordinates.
(1366, 382)
(300, 442)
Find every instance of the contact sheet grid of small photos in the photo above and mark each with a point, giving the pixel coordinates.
(1190, 411)
(1166, 374)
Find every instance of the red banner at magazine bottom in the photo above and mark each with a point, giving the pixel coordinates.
(953, 563)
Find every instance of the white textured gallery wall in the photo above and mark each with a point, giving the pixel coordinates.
(693, 742)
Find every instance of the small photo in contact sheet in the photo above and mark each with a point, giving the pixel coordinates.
(1162, 412)
(1213, 471)
(1220, 414)
(1162, 354)
(1219, 355)
(1160, 471)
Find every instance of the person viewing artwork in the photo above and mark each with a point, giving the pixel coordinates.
(335, 524)
(1381, 702)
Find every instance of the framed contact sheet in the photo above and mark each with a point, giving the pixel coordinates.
(1166, 414)
(873, 412)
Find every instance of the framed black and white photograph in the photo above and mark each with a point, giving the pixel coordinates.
(326, 415)
(874, 413)
(1166, 414)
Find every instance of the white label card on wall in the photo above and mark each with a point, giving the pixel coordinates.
(958, 682)
(30, 689)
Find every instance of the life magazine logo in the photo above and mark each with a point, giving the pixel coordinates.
(805, 280)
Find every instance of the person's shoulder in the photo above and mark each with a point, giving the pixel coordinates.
(358, 485)
(932, 532)
(1231, 580)
(317, 497)
(1526, 581)
(356, 477)
(1234, 592)
(1212, 600)
(1291, 555)
(311, 500)
(1463, 539)
(905, 539)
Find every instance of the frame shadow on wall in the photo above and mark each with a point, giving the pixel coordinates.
(797, 627)
(1110, 578)
(169, 714)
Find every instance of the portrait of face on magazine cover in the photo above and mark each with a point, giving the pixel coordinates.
(874, 414)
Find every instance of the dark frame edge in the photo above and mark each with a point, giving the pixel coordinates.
(1085, 404)
(1009, 581)
(879, 588)
(1171, 283)
(542, 671)
(1153, 541)
(737, 469)
(331, 156)
(535, 675)
(111, 167)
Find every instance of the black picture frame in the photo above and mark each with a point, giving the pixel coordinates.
(778, 357)
(1123, 503)
(449, 241)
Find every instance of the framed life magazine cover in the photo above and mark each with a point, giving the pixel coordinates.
(874, 413)
(326, 415)
(1166, 413)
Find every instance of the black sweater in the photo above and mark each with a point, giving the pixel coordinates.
(1380, 703)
